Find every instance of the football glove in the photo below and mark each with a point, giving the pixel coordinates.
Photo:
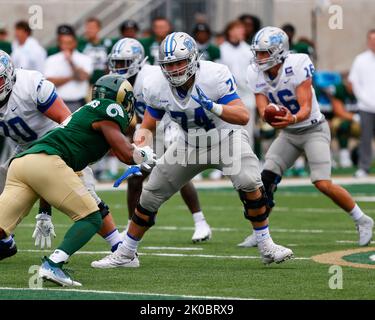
(130, 172)
(44, 230)
(207, 103)
(144, 156)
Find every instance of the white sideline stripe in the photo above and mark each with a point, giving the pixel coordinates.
(128, 293)
(166, 254)
(173, 248)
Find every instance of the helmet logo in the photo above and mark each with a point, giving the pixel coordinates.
(114, 110)
(136, 50)
(4, 60)
(276, 39)
(188, 44)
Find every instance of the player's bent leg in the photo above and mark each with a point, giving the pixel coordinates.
(165, 180)
(134, 192)
(16, 202)
(255, 204)
(317, 149)
(75, 238)
(108, 231)
(202, 230)
(60, 186)
(343, 199)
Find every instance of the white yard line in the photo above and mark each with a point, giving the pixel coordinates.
(350, 242)
(176, 228)
(128, 293)
(225, 183)
(210, 256)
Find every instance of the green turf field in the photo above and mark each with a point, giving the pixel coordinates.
(174, 268)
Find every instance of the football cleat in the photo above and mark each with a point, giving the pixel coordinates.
(7, 249)
(202, 232)
(249, 242)
(51, 272)
(365, 226)
(115, 260)
(271, 252)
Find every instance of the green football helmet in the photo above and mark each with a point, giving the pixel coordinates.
(115, 87)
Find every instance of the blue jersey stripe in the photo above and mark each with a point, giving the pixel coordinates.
(228, 98)
(43, 107)
(155, 113)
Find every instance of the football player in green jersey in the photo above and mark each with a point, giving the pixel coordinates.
(47, 169)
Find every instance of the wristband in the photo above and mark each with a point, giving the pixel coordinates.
(295, 119)
(217, 109)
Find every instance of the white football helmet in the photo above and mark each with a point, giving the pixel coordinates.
(7, 75)
(272, 40)
(178, 46)
(127, 57)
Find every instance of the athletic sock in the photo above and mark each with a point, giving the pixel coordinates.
(113, 238)
(45, 210)
(198, 217)
(129, 245)
(80, 233)
(7, 239)
(356, 213)
(262, 234)
(58, 257)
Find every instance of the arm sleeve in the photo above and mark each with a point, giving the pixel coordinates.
(304, 69)
(150, 100)
(226, 86)
(44, 92)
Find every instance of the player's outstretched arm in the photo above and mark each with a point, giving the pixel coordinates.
(144, 135)
(233, 112)
(58, 111)
(120, 145)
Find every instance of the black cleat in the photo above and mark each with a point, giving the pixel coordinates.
(7, 249)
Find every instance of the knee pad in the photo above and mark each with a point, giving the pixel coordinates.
(250, 205)
(104, 209)
(270, 181)
(142, 222)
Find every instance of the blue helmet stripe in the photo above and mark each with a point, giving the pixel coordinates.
(166, 45)
(171, 43)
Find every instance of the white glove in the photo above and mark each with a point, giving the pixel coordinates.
(144, 156)
(44, 229)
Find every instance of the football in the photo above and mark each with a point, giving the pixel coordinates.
(272, 111)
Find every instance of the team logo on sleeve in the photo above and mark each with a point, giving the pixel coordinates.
(114, 110)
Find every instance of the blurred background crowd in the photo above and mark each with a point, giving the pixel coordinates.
(76, 55)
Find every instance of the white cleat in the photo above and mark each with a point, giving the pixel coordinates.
(272, 252)
(56, 275)
(202, 232)
(116, 260)
(365, 226)
(249, 242)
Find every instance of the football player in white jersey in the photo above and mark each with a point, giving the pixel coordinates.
(285, 79)
(197, 95)
(29, 108)
(128, 58)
